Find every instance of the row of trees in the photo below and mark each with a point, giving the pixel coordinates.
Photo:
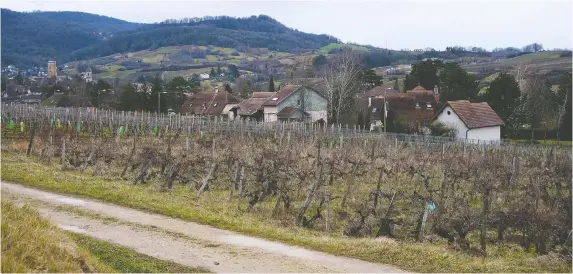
(157, 94)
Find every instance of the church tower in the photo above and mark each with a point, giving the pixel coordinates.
(52, 70)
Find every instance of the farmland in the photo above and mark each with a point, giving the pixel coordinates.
(330, 46)
(459, 200)
(538, 60)
(115, 65)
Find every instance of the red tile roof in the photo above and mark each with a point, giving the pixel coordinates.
(378, 91)
(208, 103)
(250, 106)
(474, 115)
(262, 94)
(419, 88)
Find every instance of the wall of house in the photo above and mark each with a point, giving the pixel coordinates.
(270, 114)
(452, 120)
(485, 133)
(314, 104)
(227, 108)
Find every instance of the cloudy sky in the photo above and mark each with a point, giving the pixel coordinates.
(396, 24)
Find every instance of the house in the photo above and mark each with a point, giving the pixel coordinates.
(403, 108)
(378, 92)
(413, 110)
(211, 103)
(66, 100)
(423, 95)
(471, 121)
(308, 100)
(204, 76)
(290, 103)
(252, 108)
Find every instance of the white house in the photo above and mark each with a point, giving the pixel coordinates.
(471, 121)
(296, 102)
(204, 75)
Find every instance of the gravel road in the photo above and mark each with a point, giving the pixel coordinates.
(183, 242)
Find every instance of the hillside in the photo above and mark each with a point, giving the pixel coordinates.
(252, 32)
(89, 21)
(31, 38)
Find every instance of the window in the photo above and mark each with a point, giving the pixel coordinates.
(274, 99)
(449, 112)
(428, 105)
(215, 104)
(298, 102)
(373, 110)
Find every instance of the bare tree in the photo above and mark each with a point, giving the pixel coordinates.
(521, 70)
(342, 81)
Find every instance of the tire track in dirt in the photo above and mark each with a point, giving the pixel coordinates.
(183, 242)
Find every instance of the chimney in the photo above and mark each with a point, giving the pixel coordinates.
(436, 91)
(369, 101)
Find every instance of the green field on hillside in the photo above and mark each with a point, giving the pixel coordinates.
(330, 46)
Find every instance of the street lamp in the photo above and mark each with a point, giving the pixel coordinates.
(159, 101)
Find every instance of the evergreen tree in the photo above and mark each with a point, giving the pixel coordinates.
(3, 82)
(98, 92)
(367, 119)
(319, 61)
(233, 71)
(213, 73)
(370, 79)
(219, 71)
(271, 85)
(245, 90)
(153, 99)
(19, 79)
(455, 83)
(360, 122)
(423, 73)
(129, 100)
(503, 95)
(396, 85)
(176, 89)
(228, 88)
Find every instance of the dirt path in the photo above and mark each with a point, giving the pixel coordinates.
(183, 242)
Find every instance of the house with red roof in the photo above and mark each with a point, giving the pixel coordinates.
(218, 103)
(471, 121)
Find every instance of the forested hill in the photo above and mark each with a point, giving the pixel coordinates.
(89, 21)
(32, 37)
(255, 31)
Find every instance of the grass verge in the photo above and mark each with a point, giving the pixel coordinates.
(218, 211)
(31, 244)
(126, 260)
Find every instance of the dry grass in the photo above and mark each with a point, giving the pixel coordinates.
(216, 209)
(32, 244)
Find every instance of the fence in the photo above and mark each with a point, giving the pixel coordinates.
(94, 120)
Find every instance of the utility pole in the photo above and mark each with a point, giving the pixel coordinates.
(385, 111)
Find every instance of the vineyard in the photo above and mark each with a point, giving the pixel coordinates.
(474, 197)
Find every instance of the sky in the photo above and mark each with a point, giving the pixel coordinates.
(395, 24)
